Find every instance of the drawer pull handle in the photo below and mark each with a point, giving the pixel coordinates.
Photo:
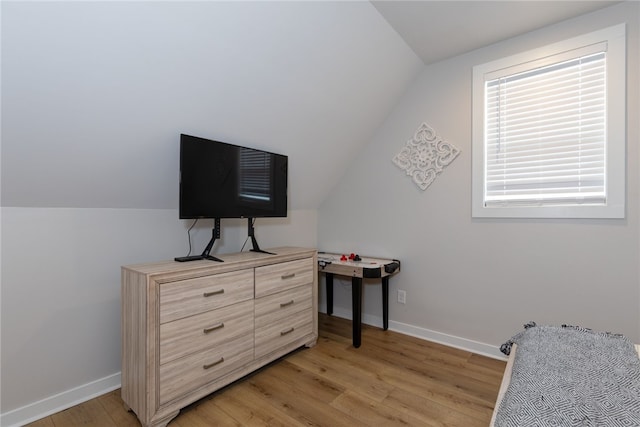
(212, 364)
(213, 328)
(284, 304)
(288, 276)
(212, 293)
(288, 331)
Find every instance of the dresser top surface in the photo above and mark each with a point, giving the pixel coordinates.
(231, 261)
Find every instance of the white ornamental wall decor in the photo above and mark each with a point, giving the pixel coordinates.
(425, 156)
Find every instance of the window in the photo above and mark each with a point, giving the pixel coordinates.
(549, 131)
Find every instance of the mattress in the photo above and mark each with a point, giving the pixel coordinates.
(506, 379)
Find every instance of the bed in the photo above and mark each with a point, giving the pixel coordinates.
(568, 376)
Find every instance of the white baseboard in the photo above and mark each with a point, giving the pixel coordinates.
(59, 402)
(69, 398)
(488, 350)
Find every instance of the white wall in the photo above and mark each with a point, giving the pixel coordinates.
(475, 282)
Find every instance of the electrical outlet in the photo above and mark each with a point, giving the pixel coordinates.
(402, 297)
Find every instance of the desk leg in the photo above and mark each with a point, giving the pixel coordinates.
(385, 302)
(356, 304)
(329, 279)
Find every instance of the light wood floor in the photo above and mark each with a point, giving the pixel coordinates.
(392, 379)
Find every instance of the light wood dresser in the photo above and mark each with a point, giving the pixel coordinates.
(191, 328)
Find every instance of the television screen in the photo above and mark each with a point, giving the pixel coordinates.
(221, 180)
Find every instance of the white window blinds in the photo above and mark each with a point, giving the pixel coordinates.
(545, 132)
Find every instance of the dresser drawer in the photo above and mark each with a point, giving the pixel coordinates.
(274, 336)
(188, 373)
(208, 329)
(286, 275)
(193, 296)
(275, 307)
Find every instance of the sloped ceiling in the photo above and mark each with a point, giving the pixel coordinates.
(437, 30)
(95, 94)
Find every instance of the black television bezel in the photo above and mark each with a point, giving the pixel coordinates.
(280, 194)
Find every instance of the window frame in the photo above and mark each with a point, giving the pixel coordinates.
(615, 155)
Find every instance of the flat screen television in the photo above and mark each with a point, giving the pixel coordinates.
(221, 180)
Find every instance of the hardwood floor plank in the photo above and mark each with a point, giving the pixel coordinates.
(493, 364)
(298, 404)
(339, 369)
(410, 345)
(89, 413)
(318, 386)
(251, 409)
(204, 414)
(431, 413)
(441, 393)
(372, 412)
(435, 354)
(457, 378)
(392, 379)
(113, 405)
(329, 325)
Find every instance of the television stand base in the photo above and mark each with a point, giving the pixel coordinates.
(215, 234)
(254, 242)
(261, 251)
(196, 258)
